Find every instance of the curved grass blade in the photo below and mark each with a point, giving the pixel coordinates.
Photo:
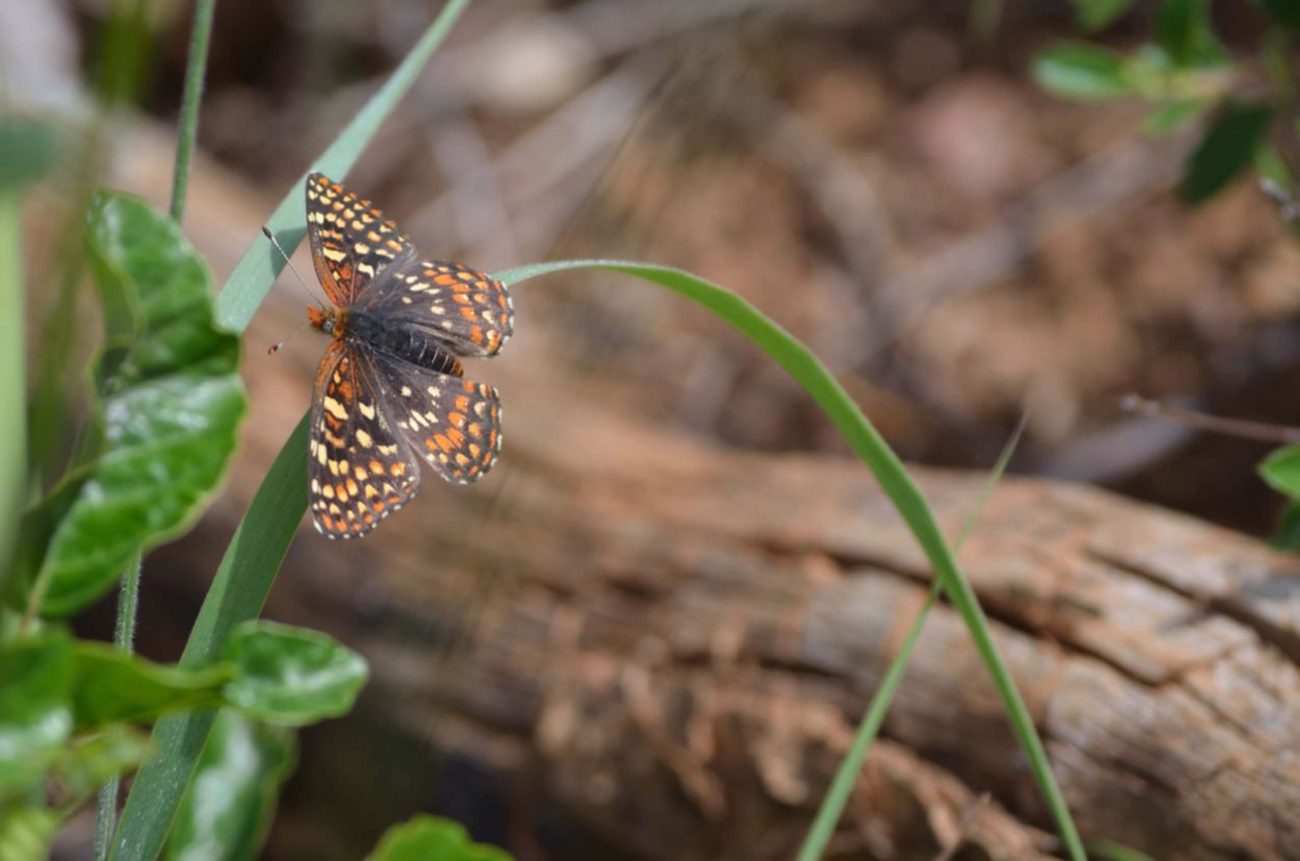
(837, 797)
(262, 539)
(872, 449)
(257, 269)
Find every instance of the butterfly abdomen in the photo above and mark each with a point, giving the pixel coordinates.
(408, 344)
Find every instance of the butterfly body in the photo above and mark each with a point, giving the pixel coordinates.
(408, 344)
(390, 389)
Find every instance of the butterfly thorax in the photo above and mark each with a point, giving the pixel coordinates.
(407, 343)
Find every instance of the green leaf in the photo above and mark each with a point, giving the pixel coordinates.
(1270, 165)
(1225, 151)
(35, 706)
(227, 809)
(1281, 470)
(28, 148)
(1078, 70)
(26, 832)
(291, 676)
(1287, 534)
(1185, 33)
(1284, 12)
(1171, 116)
(95, 758)
(112, 685)
(430, 838)
(1094, 15)
(172, 403)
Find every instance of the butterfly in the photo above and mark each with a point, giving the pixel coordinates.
(390, 390)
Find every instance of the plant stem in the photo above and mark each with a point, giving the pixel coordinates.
(128, 600)
(195, 69)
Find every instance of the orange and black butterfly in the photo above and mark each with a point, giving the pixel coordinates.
(390, 389)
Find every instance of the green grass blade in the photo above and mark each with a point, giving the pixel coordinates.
(257, 269)
(837, 796)
(237, 594)
(13, 431)
(262, 539)
(866, 441)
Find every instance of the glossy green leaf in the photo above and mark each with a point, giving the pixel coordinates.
(227, 809)
(99, 756)
(26, 832)
(1226, 150)
(1186, 35)
(172, 403)
(1097, 14)
(291, 676)
(430, 838)
(112, 685)
(1079, 70)
(35, 706)
(1281, 470)
(1170, 117)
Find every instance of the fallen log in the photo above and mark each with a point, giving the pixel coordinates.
(677, 642)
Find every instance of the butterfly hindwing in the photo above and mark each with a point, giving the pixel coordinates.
(468, 311)
(351, 240)
(359, 470)
(452, 423)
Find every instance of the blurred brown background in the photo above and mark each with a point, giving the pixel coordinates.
(958, 246)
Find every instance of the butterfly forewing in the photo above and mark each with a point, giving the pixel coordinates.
(351, 240)
(454, 424)
(359, 470)
(468, 311)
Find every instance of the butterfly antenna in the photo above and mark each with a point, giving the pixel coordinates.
(266, 231)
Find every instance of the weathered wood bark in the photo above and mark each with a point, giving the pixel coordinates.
(678, 641)
(681, 641)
